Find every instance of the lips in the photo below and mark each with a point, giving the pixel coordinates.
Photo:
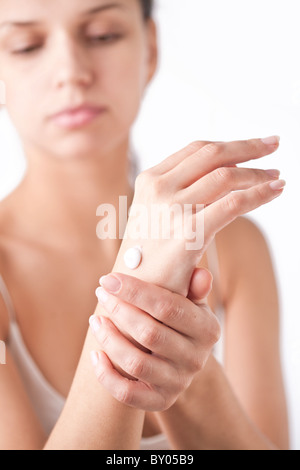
(74, 118)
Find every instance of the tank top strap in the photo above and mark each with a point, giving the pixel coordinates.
(7, 300)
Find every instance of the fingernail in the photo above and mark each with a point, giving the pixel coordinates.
(273, 173)
(94, 358)
(110, 283)
(102, 295)
(277, 185)
(95, 323)
(274, 140)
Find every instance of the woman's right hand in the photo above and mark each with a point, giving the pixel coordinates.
(204, 174)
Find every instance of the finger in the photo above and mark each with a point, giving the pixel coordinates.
(134, 362)
(174, 310)
(172, 161)
(223, 180)
(131, 393)
(200, 285)
(148, 332)
(219, 154)
(227, 209)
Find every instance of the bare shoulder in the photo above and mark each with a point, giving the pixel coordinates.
(241, 233)
(243, 252)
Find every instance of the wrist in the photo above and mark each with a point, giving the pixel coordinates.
(166, 233)
(158, 264)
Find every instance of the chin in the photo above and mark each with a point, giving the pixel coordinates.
(79, 147)
(84, 144)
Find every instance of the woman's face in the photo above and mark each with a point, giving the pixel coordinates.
(62, 54)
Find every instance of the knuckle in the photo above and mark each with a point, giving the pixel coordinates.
(151, 336)
(133, 292)
(148, 179)
(101, 375)
(197, 362)
(170, 311)
(143, 179)
(195, 146)
(137, 367)
(223, 175)
(160, 400)
(253, 145)
(231, 204)
(259, 174)
(213, 149)
(124, 394)
(259, 192)
(159, 186)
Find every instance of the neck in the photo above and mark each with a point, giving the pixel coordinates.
(58, 199)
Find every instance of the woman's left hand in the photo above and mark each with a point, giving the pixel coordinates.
(176, 336)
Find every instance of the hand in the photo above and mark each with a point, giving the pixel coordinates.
(176, 336)
(203, 173)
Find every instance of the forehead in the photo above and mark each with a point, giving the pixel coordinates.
(33, 11)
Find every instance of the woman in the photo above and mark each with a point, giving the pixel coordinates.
(80, 72)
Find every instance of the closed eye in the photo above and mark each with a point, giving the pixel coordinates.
(108, 38)
(104, 39)
(27, 50)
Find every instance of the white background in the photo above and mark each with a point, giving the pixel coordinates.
(228, 70)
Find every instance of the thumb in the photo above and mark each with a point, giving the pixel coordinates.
(200, 285)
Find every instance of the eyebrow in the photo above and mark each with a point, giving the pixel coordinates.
(92, 11)
(105, 7)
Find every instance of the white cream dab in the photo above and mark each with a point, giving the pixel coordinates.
(133, 257)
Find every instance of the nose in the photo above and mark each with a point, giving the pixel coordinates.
(72, 64)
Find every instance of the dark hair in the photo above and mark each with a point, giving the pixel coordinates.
(147, 7)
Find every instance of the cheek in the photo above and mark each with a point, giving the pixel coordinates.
(15, 97)
(125, 82)
(19, 104)
(24, 97)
